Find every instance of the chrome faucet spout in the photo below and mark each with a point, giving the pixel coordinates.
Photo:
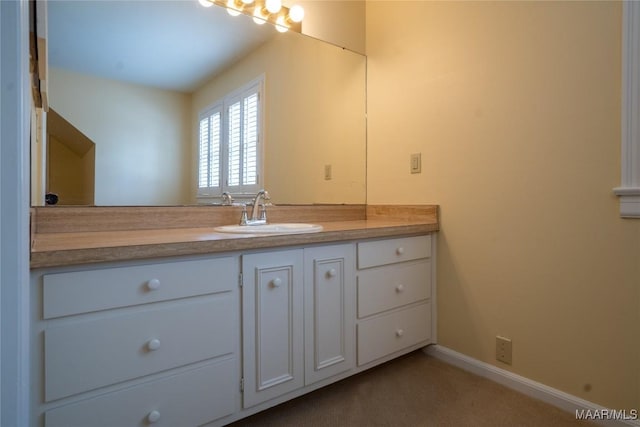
(227, 200)
(258, 210)
(262, 195)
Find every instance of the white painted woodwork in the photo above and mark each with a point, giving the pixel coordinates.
(385, 334)
(190, 398)
(15, 104)
(389, 251)
(92, 290)
(160, 344)
(87, 354)
(629, 190)
(385, 288)
(273, 342)
(394, 276)
(329, 311)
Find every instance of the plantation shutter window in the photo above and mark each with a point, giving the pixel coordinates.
(209, 153)
(235, 136)
(250, 152)
(229, 144)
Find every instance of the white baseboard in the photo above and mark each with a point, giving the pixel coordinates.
(524, 385)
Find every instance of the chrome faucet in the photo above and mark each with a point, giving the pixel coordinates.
(258, 210)
(227, 200)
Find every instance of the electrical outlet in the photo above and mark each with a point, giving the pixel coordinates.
(327, 172)
(503, 349)
(416, 163)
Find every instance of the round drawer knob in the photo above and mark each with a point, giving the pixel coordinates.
(399, 288)
(400, 251)
(332, 272)
(399, 333)
(153, 344)
(153, 417)
(276, 282)
(153, 284)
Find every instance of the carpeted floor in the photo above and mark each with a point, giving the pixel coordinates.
(415, 390)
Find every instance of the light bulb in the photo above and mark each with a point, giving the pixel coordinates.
(205, 3)
(273, 6)
(296, 13)
(258, 17)
(232, 8)
(281, 26)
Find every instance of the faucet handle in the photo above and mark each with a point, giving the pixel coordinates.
(263, 212)
(267, 199)
(243, 215)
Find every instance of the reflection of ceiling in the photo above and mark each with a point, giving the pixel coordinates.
(173, 44)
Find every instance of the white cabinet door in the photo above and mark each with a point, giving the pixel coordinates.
(329, 311)
(273, 342)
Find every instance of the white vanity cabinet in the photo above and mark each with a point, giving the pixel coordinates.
(273, 310)
(207, 340)
(136, 344)
(298, 319)
(394, 296)
(329, 288)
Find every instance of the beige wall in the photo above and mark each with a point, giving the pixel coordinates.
(314, 116)
(142, 137)
(72, 178)
(515, 107)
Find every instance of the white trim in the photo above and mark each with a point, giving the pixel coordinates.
(434, 288)
(629, 201)
(555, 397)
(629, 190)
(15, 102)
(2, 375)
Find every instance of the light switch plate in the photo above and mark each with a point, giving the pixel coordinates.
(327, 172)
(416, 163)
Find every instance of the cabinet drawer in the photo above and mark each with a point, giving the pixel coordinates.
(88, 354)
(380, 336)
(389, 251)
(191, 398)
(86, 291)
(384, 288)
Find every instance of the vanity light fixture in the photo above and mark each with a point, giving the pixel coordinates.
(234, 7)
(296, 13)
(259, 17)
(273, 6)
(262, 11)
(281, 25)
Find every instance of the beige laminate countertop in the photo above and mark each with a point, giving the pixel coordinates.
(73, 248)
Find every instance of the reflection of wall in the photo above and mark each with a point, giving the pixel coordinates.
(515, 107)
(72, 178)
(70, 162)
(303, 76)
(142, 137)
(339, 22)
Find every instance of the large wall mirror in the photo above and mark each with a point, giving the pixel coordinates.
(127, 82)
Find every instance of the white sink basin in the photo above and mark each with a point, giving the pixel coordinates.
(277, 228)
